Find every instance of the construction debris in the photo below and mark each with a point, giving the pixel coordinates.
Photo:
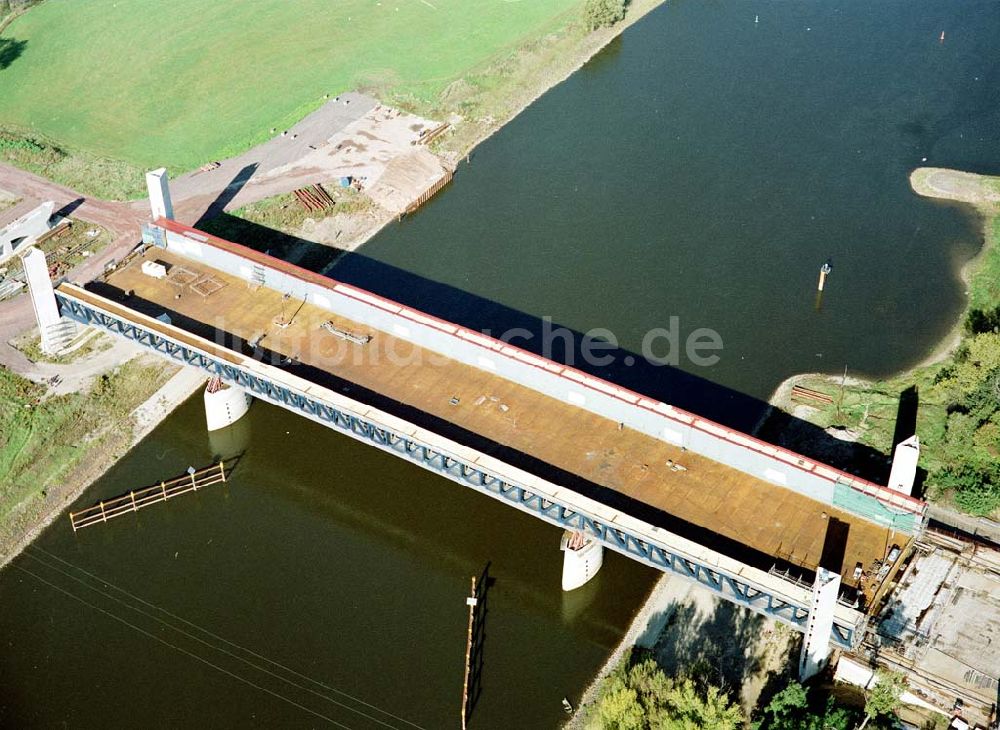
(409, 181)
(345, 335)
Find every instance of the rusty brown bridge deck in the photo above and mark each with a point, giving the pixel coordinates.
(690, 494)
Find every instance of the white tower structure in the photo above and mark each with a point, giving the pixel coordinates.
(904, 465)
(43, 300)
(158, 185)
(816, 644)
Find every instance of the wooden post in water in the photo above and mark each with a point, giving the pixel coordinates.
(824, 271)
(471, 601)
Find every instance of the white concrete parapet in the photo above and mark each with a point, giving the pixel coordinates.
(23, 232)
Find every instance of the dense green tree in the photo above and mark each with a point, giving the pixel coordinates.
(970, 388)
(975, 364)
(638, 695)
(793, 709)
(983, 320)
(603, 13)
(882, 700)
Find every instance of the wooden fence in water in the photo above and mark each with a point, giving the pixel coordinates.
(135, 500)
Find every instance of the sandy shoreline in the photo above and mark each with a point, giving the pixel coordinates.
(643, 631)
(953, 186)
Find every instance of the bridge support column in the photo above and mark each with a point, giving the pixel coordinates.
(53, 329)
(816, 644)
(158, 185)
(582, 558)
(903, 474)
(224, 404)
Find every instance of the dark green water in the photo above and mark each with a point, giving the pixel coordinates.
(345, 564)
(704, 167)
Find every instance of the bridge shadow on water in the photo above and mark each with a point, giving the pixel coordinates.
(662, 382)
(533, 333)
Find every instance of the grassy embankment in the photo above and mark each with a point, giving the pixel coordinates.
(958, 390)
(128, 86)
(50, 447)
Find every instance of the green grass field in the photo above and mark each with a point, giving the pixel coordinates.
(182, 82)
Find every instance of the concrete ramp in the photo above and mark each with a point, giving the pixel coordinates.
(24, 231)
(409, 180)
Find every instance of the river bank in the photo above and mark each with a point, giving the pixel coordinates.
(876, 425)
(686, 626)
(129, 400)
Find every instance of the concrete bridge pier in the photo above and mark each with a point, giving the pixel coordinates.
(224, 404)
(583, 556)
(55, 330)
(816, 644)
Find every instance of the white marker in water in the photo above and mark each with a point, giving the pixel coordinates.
(756, 19)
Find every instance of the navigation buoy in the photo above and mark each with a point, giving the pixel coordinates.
(824, 271)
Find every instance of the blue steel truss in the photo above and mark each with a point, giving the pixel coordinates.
(730, 587)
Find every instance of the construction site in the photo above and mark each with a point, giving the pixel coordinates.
(941, 628)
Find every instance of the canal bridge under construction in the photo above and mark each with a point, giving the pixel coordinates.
(748, 520)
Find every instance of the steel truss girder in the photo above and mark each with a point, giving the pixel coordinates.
(732, 588)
